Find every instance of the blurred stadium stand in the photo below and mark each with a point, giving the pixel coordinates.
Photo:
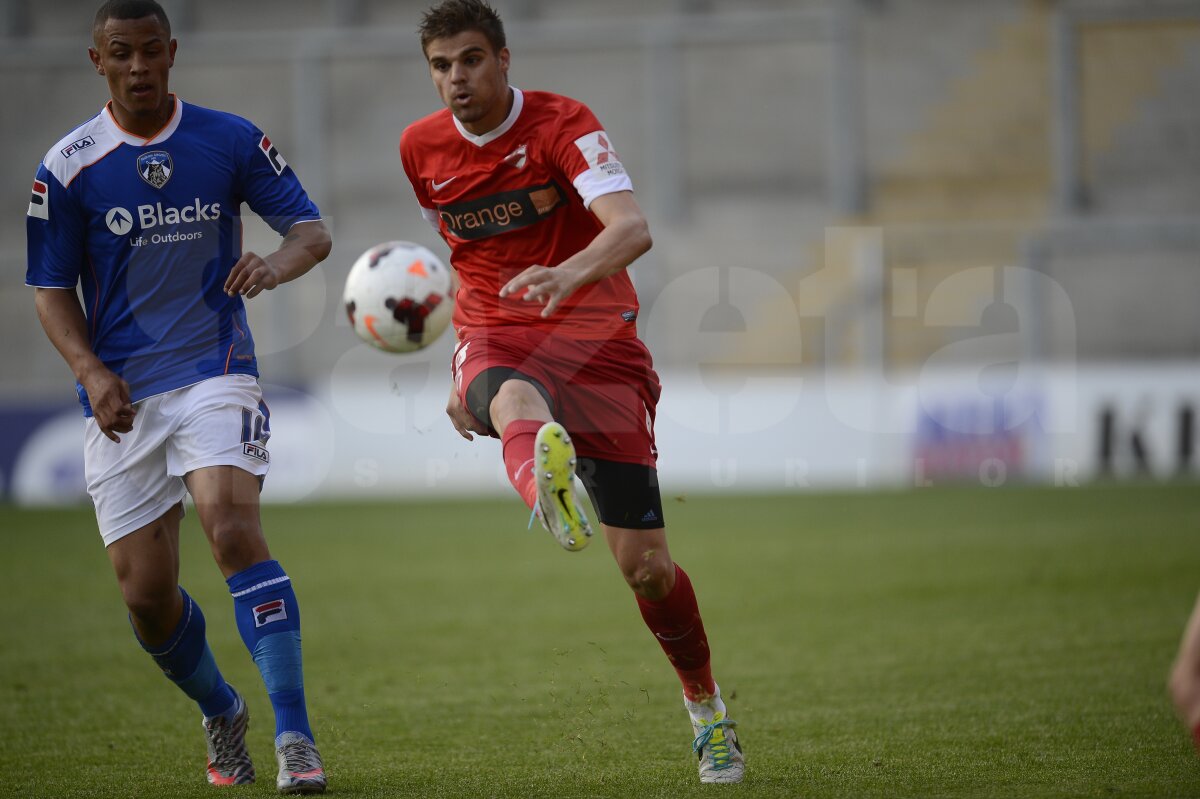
(873, 165)
(749, 128)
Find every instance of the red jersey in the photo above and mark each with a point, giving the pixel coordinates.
(518, 196)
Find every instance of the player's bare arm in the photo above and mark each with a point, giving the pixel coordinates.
(305, 245)
(625, 238)
(63, 320)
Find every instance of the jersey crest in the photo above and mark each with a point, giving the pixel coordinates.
(155, 167)
(518, 157)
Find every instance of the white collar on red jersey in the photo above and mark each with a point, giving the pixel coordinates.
(497, 132)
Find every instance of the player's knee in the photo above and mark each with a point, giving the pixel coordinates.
(649, 577)
(237, 543)
(151, 601)
(517, 399)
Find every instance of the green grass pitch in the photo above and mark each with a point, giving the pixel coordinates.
(970, 642)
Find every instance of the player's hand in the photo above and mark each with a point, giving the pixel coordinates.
(110, 401)
(250, 276)
(542, 284)
(461, 418)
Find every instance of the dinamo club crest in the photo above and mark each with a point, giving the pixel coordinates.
(155, 168)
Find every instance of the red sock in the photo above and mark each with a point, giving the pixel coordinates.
(1196, 737)
(518, 440)
(675, 622)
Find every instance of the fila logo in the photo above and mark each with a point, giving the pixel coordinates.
(39, 205)
(272, 154)
(268, 612)
(255, 451)
(76, 146)
(439, 186)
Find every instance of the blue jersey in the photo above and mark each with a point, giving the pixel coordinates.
(150, 228)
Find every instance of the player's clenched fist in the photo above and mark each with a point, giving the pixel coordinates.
(110, 401)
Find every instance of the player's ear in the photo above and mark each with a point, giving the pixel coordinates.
(504, 56)
(171, 52)
(95, 56)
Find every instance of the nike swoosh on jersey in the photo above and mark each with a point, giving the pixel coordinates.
(439, 186)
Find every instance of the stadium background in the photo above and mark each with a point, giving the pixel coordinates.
(923, 297)
(896, 242)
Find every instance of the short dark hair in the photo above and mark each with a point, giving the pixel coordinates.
(129, 9)
(452, 17)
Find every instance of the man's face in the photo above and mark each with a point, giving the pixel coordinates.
(135, 56)
(471, 78)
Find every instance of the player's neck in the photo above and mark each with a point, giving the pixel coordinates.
(495, 119)
(147, 124)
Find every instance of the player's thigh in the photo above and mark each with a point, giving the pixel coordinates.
(220, 449)
(504, 395)
(609, 403)
(222, 421)
(624, 495)
(129, 481)
(484, 363)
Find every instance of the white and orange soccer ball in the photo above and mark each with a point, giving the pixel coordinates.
(399, 296)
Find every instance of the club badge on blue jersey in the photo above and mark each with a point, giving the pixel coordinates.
(155, 167)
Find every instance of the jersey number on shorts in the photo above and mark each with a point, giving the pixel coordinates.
(255, 427)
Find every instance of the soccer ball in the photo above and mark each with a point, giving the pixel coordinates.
(399, 296)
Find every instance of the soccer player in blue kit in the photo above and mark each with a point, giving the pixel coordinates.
(140, 208)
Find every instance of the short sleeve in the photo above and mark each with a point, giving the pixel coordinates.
(584, 153)
(411, 171)
(270, 187)
(55, 230)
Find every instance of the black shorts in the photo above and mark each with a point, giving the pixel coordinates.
(623, 494)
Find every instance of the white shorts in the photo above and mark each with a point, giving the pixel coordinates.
(221, 421)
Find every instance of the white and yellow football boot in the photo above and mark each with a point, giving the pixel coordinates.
(716, 744)
(558, 507)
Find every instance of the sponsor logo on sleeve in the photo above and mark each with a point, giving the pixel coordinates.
(502, 212)
(76, 146)
(267, 612)
(599, 154)
(155, 167)
(39, 201)
(273, 156)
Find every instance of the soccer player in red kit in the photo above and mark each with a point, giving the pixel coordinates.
(540, 217)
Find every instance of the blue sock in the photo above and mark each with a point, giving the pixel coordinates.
(269, 620)
(187, 661)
